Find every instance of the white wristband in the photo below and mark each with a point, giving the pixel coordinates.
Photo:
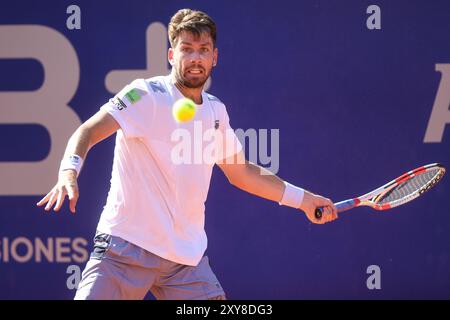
(73, 161)
(292, 196)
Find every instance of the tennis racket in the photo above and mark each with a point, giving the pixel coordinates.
(399, 191)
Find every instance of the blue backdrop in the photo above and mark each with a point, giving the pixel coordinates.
(353, 106)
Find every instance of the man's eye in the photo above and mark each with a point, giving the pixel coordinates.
(205, 50)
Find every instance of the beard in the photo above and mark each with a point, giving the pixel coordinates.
(194, 82)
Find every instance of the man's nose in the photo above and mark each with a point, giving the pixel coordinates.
(196, 57)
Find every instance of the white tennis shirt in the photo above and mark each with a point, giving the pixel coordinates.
(162, 169)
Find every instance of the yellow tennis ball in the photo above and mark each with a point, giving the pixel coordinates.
(184, 110)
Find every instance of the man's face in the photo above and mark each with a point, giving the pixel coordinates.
(192, 59)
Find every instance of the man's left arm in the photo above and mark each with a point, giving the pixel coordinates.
(261, 182)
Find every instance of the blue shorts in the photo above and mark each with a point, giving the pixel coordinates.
(118, 269)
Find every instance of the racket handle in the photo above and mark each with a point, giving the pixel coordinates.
(340, 206)
(318, 213)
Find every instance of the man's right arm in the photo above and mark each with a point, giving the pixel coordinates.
(97, 128)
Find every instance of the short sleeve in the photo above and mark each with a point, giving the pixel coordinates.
(229, 142)
(132, 108)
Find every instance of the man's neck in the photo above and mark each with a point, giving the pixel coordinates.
(195, 94)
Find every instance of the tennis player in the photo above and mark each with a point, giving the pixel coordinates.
(151, 232)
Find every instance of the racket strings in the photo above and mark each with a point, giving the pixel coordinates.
(408, 187)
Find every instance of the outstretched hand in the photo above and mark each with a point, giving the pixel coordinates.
(66, 185)
(312, 201)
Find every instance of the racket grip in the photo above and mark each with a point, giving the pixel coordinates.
(340, 206)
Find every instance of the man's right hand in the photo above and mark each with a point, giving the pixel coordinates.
(312, 201)
(66, 185)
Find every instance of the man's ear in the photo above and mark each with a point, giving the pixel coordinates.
(216, 55)
(170, 56)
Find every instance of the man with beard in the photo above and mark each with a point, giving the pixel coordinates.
(151, 232)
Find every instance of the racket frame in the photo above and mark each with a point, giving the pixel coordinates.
(369, 199)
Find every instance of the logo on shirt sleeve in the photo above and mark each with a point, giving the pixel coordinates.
(133, 96)
(126, 100)
(120, 105)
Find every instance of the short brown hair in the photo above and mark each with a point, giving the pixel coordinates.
(192, 21)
